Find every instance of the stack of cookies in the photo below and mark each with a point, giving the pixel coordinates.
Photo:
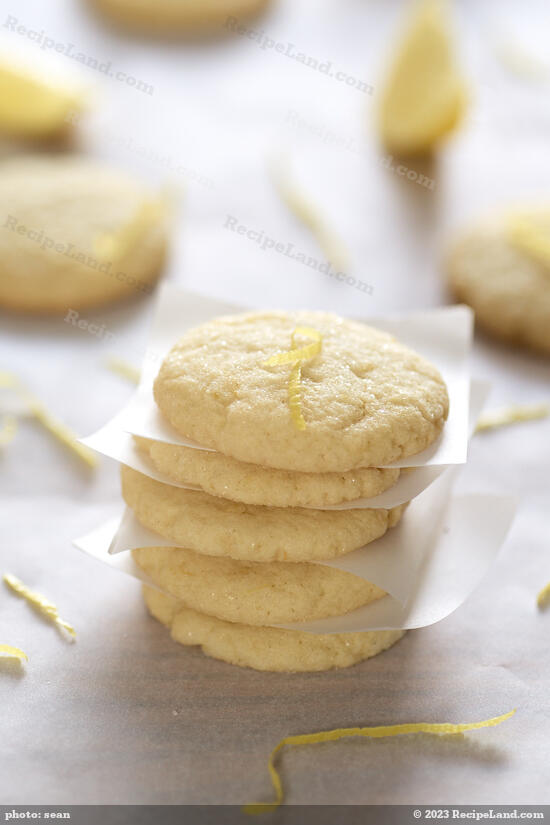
(294, 412)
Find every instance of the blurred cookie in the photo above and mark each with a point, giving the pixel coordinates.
(251, 592)
(501, 268)
(219, 527)
(266, 648)
(74, 234)
(365, 399)
(172, 17)
(220, 475)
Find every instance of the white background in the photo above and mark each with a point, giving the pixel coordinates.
(125, 715)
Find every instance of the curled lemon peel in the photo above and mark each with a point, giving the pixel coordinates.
(123, 368)
(38, 601)
(518, 60)
(60, 431)
(306, 211)
(514, 414)
(543, 598)
(297, 356)
(526, 236)
(9, 652)
(379, 732)
(116, 245)
(8, 430)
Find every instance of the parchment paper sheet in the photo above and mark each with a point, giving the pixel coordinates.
(113, 441)
(428, 564)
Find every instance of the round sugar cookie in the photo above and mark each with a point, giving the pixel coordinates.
(254, 593)
(246, 532)
(501, 268)
(174, 17)
(366, 399)
(220, 475)
(265, 648)
(74, 234)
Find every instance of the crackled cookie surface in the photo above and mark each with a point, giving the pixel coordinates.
(266, 648)
(366, 400)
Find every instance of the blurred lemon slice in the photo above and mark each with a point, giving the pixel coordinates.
(425, 96)
(32, 107)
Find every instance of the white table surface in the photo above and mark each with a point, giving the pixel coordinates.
(127, 716)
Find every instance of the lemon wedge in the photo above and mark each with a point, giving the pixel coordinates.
(425, 97)
(33, 108)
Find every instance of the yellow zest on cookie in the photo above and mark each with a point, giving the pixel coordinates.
(297, 356)
(38, 601)
(8, 430)
(531, 237)
(31, 107)
(513, 414)
(115, 245)
(331, 246)
(379, 732)
(123, 368)
(9, 652)
(543, 599)
(59, 430)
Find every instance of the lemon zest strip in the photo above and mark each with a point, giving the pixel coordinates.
(297, 356)
(115, 245)
(9, 652)
(60, 431)
(331, 245)
(123, 368)
(372, 733)
(513, 414)
(543, 599)
(515, 57)
(7, 433)
(42, 604)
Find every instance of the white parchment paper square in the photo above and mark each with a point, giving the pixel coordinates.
(441, 335)
(113, 441)
(428, 564)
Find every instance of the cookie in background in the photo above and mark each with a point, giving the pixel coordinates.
(501, 268)
(173, 18)
(76, 234)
